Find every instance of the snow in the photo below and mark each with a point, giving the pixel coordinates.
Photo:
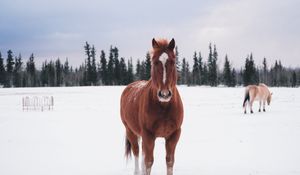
(83, 134)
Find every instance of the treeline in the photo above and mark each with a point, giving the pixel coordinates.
(112, 69)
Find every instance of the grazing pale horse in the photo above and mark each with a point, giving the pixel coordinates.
(259, 93)
(153, 108)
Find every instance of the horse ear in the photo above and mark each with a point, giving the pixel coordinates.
(154, 44)
(171, 45)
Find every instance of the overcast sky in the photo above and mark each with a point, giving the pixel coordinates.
(59, 28)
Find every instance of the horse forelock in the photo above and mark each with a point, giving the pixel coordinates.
(162, 48)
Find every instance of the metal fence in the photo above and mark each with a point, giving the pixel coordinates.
(38, 103)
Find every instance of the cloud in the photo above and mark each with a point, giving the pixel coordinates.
(59, 28)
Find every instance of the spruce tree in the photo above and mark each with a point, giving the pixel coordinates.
(148, 66)
(233, 78)
(227, 79)
(110, 67)
(93, 73)
(178, 65)
(44, 74)
(195, 71)
(59, 72)
(265, 71)
(130, 75)
(294, 79)
(200, 65)
(205, 74)
(31, 72)
(88, 65)
(66, 73)
(2, 71)
(212, 66)
(250, 74)
(9, 68)
(123, 71)
(117, 73)
(183, 72)
(138, 70)
(103, 68)
(17, 72)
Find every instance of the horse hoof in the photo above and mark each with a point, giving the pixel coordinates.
(264, 110)
(251, 112)
(245, 112)
(259, 110)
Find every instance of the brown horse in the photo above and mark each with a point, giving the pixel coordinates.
(153, 108)
(259, 93)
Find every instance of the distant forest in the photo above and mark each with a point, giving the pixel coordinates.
(112, 69)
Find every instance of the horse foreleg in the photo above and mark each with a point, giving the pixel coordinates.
(264, 106)
(148, 147)
(171, 143)
(259, 106)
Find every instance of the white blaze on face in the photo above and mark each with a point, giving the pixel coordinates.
(163, 58)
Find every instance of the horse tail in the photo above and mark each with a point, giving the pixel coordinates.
(127, 148)
(247, 97)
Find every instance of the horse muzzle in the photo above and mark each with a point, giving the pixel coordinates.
(164, 95)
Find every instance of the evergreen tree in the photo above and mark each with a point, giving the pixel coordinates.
(200, 65)
(250, 74)
(233, 78)
(66, 73)
(148, 66)
(195, 71)
(110, 67)
(130, 75)
(17, 72)
(205, 74)
(294, 79)
(9, 68)
(103, 68)
(31, 72)
(212, 66)
(183, 72)
(117, 73)
(143, 71)
(265, 71)
(88, 72)
(227, 79)
(51, 74)
(178, 65)
(188, 74)
(138, 70)
(2, 71)
(44, 74)
(58, 72)
(93, 73)
(123, 71)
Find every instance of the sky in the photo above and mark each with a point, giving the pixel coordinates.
(54, 29)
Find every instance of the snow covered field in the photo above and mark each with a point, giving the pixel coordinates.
(84, 135)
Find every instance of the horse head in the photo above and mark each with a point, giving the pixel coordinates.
(269, 98)
(163, 69)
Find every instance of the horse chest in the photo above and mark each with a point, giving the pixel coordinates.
(162, 126)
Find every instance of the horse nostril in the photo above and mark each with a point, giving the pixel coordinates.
(169, 94)
(160, 94)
